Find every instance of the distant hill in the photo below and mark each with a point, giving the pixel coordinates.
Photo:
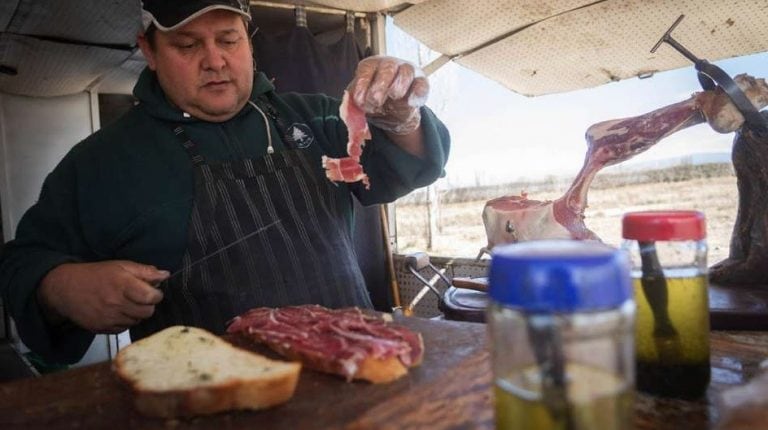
(672, 170)
(693, 159)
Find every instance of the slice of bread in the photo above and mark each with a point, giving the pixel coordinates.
(186, 371)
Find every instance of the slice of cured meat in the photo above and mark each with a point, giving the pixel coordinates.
(345, 342)
(348, 169)
(516, 218)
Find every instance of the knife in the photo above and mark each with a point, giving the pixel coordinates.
(217, 252)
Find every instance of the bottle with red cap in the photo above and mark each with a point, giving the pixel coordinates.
(668, 252)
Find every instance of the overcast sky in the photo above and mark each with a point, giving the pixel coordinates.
(500, 136)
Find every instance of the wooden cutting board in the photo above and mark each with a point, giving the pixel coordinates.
(449, 389)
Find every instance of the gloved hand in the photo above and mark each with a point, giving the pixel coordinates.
(390, 91)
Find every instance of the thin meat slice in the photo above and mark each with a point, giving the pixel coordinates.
(345, 169)
(516, 218)
(340, 342)
(348, 169)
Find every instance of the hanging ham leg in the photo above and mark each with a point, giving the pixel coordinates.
(748, 254)
(516, 218)
(348, 169)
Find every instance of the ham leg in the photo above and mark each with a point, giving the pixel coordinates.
(348, 169)
(746, 262)
(516, 218)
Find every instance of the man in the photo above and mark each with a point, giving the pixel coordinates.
(201, 202)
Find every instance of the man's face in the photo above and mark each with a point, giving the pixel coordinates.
(206, 66)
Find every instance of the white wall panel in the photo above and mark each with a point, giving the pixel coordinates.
(35, 133)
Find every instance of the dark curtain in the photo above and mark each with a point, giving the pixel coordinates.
(298, 62)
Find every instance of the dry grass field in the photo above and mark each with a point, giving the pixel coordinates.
(461, 232)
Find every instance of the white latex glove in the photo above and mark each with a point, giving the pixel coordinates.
(390, 91)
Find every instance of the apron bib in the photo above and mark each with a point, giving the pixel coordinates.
(301, 252)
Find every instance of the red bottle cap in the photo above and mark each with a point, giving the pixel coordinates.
(664, 225)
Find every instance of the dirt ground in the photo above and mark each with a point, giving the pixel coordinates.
(461, 231)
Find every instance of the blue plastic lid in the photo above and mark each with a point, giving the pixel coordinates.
(559, 276)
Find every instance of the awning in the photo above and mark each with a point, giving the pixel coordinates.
(537, 47)
(366, 5)
(532, 47)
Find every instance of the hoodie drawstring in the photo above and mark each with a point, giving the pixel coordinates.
(270, 149)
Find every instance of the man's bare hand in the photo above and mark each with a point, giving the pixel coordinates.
(104, 297)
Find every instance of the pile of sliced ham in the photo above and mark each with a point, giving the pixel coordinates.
(513, 218)
(348, 169)
(334, 341)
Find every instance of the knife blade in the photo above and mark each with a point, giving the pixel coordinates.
(217, 252)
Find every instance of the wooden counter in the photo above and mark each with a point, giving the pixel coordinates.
(452, 389)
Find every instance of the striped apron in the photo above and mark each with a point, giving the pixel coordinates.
(301, 252)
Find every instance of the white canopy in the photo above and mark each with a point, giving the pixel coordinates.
(537, 47)
(533, 47)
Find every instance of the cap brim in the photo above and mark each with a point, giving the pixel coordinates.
(150, 19)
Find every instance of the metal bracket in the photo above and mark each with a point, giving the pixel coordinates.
(710, 76)
(416, 262)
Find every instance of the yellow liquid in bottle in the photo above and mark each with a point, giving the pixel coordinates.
(674, 365)
(596, 400)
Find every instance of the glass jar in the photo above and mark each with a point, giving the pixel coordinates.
(668, 252)
(561, 324)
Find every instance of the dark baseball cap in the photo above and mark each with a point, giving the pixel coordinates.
(168, 15)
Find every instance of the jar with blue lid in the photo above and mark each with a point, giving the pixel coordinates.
(561, 324)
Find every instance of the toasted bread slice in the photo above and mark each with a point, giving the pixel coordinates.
(185, 371)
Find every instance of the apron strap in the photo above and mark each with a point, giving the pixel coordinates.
(189, 146)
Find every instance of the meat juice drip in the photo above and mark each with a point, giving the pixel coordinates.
(597, 399)
(683, 371)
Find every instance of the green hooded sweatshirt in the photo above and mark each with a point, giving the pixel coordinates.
(126, 192)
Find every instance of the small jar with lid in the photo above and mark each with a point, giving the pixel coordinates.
(668, 252)
(561, 324)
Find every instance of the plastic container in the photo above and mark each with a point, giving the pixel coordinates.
(668, 252)
(561, 324)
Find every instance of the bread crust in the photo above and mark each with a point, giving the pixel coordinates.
(379, 371)
(247, 394)
(374, 370)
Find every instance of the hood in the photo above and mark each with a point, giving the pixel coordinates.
(151, 96)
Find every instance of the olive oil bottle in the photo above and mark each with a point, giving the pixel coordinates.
(677, 367)
(668, 255)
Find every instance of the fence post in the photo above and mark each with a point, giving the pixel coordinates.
(433, 215)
